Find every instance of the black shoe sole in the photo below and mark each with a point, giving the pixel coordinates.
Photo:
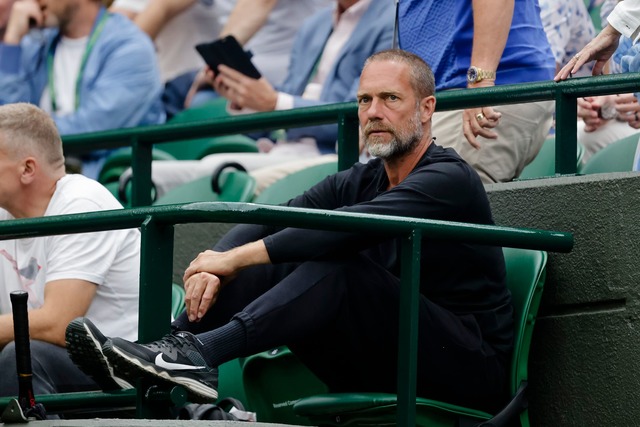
(85, 351)
(132, 368)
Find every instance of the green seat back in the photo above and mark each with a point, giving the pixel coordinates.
(544, 164)
(195, 149)
(525, 280)
(236, 186)
(273, 381)
(212, 109)
(120, 160)
(295, 184)
(177, 300)
(615, 157)
(230, 382)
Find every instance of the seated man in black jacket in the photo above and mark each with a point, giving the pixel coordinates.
(333, 297)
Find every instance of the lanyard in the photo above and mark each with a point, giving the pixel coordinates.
(95, 33)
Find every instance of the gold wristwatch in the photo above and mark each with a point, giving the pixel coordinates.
(476, 74)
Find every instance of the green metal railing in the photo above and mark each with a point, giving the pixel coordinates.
(157, 227)
(564, 94)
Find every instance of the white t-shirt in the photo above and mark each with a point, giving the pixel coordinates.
(110, 259)
(176, 41)
(66, 68)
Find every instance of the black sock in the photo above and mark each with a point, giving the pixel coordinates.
(224, 343)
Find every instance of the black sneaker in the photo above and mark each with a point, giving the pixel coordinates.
(176, 359)
(84, 346)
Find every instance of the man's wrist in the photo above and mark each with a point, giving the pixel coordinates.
(483, 83)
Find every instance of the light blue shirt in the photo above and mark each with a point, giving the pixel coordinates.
(120, 86)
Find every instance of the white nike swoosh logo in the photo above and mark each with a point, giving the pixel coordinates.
(174, 366)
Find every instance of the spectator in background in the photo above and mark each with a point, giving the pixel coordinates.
(568, 27)
(89, 69)
(482, 43)
(266, 28)
(624, 20)
(94, 274)
(326, 61)
(609, 118)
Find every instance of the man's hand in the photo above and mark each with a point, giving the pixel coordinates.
(202, 281)
(599, 49)
(479, 121)
(243, 91)
(203, 79)
(218, 263)
(201, 292)
(628, 109)
(588, 108)
(23, 13)
(204, 277)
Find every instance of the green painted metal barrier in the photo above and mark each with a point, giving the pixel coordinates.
(157, 223)
(563, 93)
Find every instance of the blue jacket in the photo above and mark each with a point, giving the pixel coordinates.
(373, 33)
(120, 87)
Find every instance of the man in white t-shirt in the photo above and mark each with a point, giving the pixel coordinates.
(66, 276)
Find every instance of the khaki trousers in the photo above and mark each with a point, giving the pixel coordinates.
(521, 131)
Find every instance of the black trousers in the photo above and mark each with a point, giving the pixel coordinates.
(341, 318)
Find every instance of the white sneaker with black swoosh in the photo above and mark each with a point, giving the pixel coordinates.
(175, 359)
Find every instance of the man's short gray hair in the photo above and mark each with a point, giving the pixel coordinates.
(422, 80)
(26, 130)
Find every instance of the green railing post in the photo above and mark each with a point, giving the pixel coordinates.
(141, 167)
(156, 265)
(156, 269)
(566, 133)
(348, 141)
(408, 325)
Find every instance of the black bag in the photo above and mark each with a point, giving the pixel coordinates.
(226, 409)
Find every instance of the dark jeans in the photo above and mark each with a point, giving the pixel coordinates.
(341, 320)
(53, 371)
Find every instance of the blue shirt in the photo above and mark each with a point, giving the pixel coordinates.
(120, 85)
(441, 33)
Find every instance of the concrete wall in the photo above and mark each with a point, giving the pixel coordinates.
(585, 360)
(584, 367)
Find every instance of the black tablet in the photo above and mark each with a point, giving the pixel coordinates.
(229, 52)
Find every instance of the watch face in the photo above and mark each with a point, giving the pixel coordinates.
(472, 75)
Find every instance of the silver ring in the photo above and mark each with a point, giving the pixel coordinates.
(576, 56)
(479, 117)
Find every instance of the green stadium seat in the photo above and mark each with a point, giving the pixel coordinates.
(120, 160)
(544, 165)
(195, 149)
(295, 184)
(525, 280)
(273, 381)
(223, 186)
(615, 157)
(177, 300)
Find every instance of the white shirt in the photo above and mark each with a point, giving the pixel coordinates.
(625, 18)
(66, 69)
(109, 259)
